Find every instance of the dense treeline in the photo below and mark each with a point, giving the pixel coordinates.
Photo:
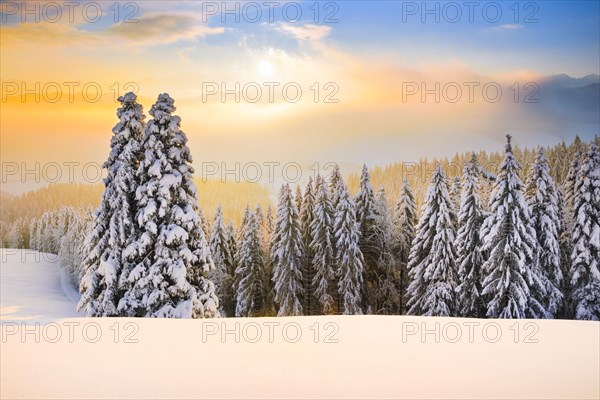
(506, 235)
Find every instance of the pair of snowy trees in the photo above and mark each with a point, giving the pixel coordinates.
(148, 255)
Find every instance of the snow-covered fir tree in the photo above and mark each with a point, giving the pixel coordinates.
(511, 282)
(432, 261)
(585, 259)
(267, 233)
(223, 273)
(335, 181)
(231, 242)
(324, 280)
(286, 256)
(250, 273)
(260, 217)
(310, 304)
(238, 239)
(73, 244)
(298, 198)
(468, 246)
(114, 227)
(386, 288)
(542, 198)
(404, 222)
(19, 234)
(173, 255)
(365, 206)
(268, 227)
(455, 195)
(566, 248)
(204, 223)
(349, 258)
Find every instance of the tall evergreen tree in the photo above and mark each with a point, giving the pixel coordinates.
(298, 198)
(509, 238)
(585, 259)
(387, 294)
(286, 255)
(223, 273)
(232, 244)
(268, 227)
(324, 281)
(113, 225)
(468, 245)
(349, 258)
(174, 257)
(432, 265)
(542, 198)
(566, 248)
(250, 270)
(260, 217)
(310, 304)
(455, 196)
(335, 181)
(405, 220)
(366, 218)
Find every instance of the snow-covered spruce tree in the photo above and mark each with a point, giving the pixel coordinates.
(335, 181)
(231, 242)
(250, 271)
(18, 234)
(585, 260)
(286, 256)
(365, 206)
(405, 220)
(542, 198)
(432, 261)
(573, 173)
(174, 257)
(239, 238)
(565, 242)
(222, 274)
(349, 258)
(262, 222)
(324, 281)
(267, 233)
(310, 304)
(268, 227)
(113, 226)
(260, 217)
(387, 294)
(73, 245)
(204, 223)
(455, 195)
(468, 246)
(298, 198)
(511, 283)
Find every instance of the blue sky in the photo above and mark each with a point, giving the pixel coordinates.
(370, 53)
(549, 37)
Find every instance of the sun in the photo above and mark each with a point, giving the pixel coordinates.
(265, 68)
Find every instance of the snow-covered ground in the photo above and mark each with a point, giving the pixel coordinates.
(34, 288)
(346, 357)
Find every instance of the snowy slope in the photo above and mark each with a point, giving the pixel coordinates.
(348, 357)
(33, 287)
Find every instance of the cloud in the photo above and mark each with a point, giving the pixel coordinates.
(304, 32)
(506, 28)
(163, 29)
(149, 29)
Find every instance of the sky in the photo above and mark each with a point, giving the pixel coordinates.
(352, 82)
